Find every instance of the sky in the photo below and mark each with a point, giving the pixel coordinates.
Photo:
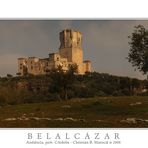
(105, 43)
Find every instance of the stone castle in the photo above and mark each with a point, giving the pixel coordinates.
(70, 52)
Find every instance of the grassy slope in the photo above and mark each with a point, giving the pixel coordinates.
(110, 110)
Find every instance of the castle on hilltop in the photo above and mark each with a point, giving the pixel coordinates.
(70, 52)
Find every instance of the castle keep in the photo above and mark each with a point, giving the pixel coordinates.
(70, 52)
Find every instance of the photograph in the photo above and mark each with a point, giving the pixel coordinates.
(73, 73)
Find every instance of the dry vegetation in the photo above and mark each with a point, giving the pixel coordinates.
(91, 112)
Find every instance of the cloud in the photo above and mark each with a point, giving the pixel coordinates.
(107, 46)
(105, 43)
(8, 64)
(65, 24)
(23, 37)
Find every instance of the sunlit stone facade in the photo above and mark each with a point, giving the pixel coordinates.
(70, 52)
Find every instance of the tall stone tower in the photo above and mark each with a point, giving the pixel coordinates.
(70, 52)
(71, 47)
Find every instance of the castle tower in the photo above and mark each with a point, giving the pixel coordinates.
(71, 47)
(70, 52)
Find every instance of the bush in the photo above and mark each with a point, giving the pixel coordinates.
(83, 92)
(101, 93)
(31, 89)
(143, 94)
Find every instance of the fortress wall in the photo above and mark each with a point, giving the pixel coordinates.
(70, 52)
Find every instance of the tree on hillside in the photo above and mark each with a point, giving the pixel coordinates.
(18, 74)
(138, 54)
(62, 81)
(9, 76)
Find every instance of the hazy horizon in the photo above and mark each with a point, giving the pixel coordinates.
(105, 43)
